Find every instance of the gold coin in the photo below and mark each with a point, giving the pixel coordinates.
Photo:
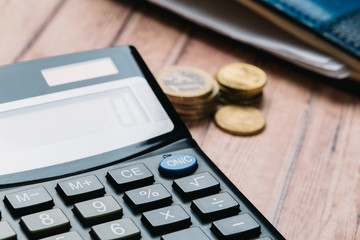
(210, 105)
(241, 76)
(185, 82)
(200, 100)
(194, 117)
(225, 99)
(195, 112)
(240, 120)
(239, 93)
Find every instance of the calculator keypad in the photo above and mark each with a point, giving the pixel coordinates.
(130, 177)
(45, 223)
(65, 236)
(166, 219)
(6, 231)
(98, 210)
(79, 189)
(118, 229)
(28, 201)
(215, 206)
(186, 234)
(196, 185)
(140, 203)
(236, 227)
(147, 198)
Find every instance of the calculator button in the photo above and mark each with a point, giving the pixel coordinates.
(167, 219)
(45, 223)
(178, 165)
(215, 206)
(65, 236)
(196, 186)
(28, 201)
(116, 230)
(240, 226)
(130, 177)
(98, 210)
(187, 234)
(148, 198)
(79, 189)
(6, 231)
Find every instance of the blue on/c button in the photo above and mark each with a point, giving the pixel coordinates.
(178, 165)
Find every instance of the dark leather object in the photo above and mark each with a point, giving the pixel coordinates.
(338, 21)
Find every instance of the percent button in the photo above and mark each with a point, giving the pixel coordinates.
(148, 198)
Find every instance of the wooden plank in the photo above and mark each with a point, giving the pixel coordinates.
(20, 22)
(80, 25)
(323, 196)
(255, 164)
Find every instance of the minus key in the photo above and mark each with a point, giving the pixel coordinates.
(236, 227)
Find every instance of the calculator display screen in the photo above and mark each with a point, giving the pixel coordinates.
(78, 123)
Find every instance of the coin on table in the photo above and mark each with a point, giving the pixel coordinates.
(241, 77)
(240, 120)
(180, 82)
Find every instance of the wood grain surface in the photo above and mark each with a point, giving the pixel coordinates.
(302, 172)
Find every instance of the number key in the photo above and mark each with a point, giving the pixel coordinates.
(98, 210)
(45, 223)
(186, 234)
(117, 230)
(6, 232)
(65, 236)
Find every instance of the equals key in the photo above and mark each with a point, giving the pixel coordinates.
(28, 201)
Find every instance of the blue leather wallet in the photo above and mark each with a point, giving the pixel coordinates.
(331, 25)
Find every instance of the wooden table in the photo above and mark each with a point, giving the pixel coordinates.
(302, 172)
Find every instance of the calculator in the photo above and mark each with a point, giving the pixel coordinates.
(91, 148)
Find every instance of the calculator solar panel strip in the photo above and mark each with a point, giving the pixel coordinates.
(90, 148)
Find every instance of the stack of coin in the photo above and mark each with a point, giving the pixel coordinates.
(192, 91)
(240, 83)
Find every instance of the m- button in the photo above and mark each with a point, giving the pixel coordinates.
(130, 177)
(28, 201)
(79, 189)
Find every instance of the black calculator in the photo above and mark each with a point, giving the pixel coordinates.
(90, 148)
